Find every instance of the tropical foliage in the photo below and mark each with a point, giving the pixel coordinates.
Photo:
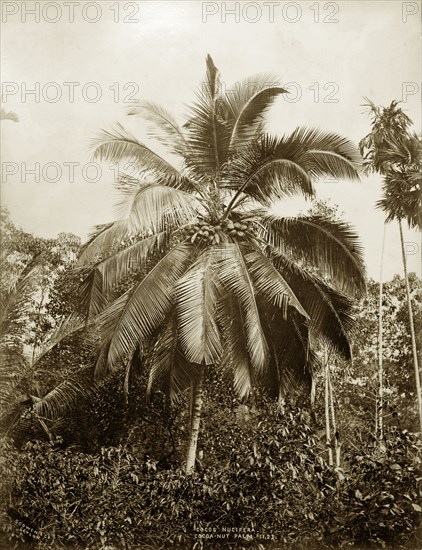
(219, 278)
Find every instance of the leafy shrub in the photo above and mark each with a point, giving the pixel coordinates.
(381, 498)
(270, 488)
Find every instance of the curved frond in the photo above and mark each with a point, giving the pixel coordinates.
(91, 299)
(270, 283)
(234, 336)
(233, 274)
(120, 145)
(62, 399)
(68, 326)
(264, 171)
(250, 110)
(164, 126)
(154, 207)
(330, 246)
(103, 239)
(196, 297)
(145, 209)
(170, 372)
(327, 153)
(330, 311)
(130, 259)
(14, 301)
(134, 316)
(240, 94)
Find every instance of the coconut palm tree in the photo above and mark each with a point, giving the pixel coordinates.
(217, 279)
(394, 152)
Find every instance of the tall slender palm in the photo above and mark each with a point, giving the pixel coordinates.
(217, 280)
(394, 152)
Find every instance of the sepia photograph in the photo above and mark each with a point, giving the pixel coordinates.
(210, 275)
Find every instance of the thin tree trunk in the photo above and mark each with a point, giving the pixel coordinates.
(412, 328)
(379, 414)
(196, 407)
(327, 411)
(333, 421)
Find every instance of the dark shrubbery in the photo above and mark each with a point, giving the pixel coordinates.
(380, 500)
(272, 483)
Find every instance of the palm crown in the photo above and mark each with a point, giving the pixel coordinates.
(395, 152)
(216, 278)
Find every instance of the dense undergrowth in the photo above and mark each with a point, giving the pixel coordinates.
(262, 482)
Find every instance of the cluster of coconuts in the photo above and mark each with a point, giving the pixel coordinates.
(206, 232)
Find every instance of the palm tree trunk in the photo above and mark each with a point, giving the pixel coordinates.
(379, 401)
(327, 411)
(196, 407)
(412, 327)
(334, 423)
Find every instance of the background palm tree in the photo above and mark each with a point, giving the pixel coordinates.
(393, 151)
(197, 272)
(8, 115)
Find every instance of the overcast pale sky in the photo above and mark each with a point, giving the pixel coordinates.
(85, 62)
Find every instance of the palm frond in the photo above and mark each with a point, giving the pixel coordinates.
(15, 372)
(134, 316)
(195, 295)
(330, 246)
(164, 126)
(145, 209)
(327, 153)
(401, 152)
(208, 132)
(154, 207)
(266, 172)
(12, 301)
(249, 103)
(130, 259)
(270, 283)
(240, 94)
(91, 299)
(402, 197)
(119, 145)
(8, 115)
(330, 311)
(103, 239)
(62, 399)
(66, 328)
(235, 357)
(170, 372)
(270, 168)
(233, 274)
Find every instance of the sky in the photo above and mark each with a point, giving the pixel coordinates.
(70, 69)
